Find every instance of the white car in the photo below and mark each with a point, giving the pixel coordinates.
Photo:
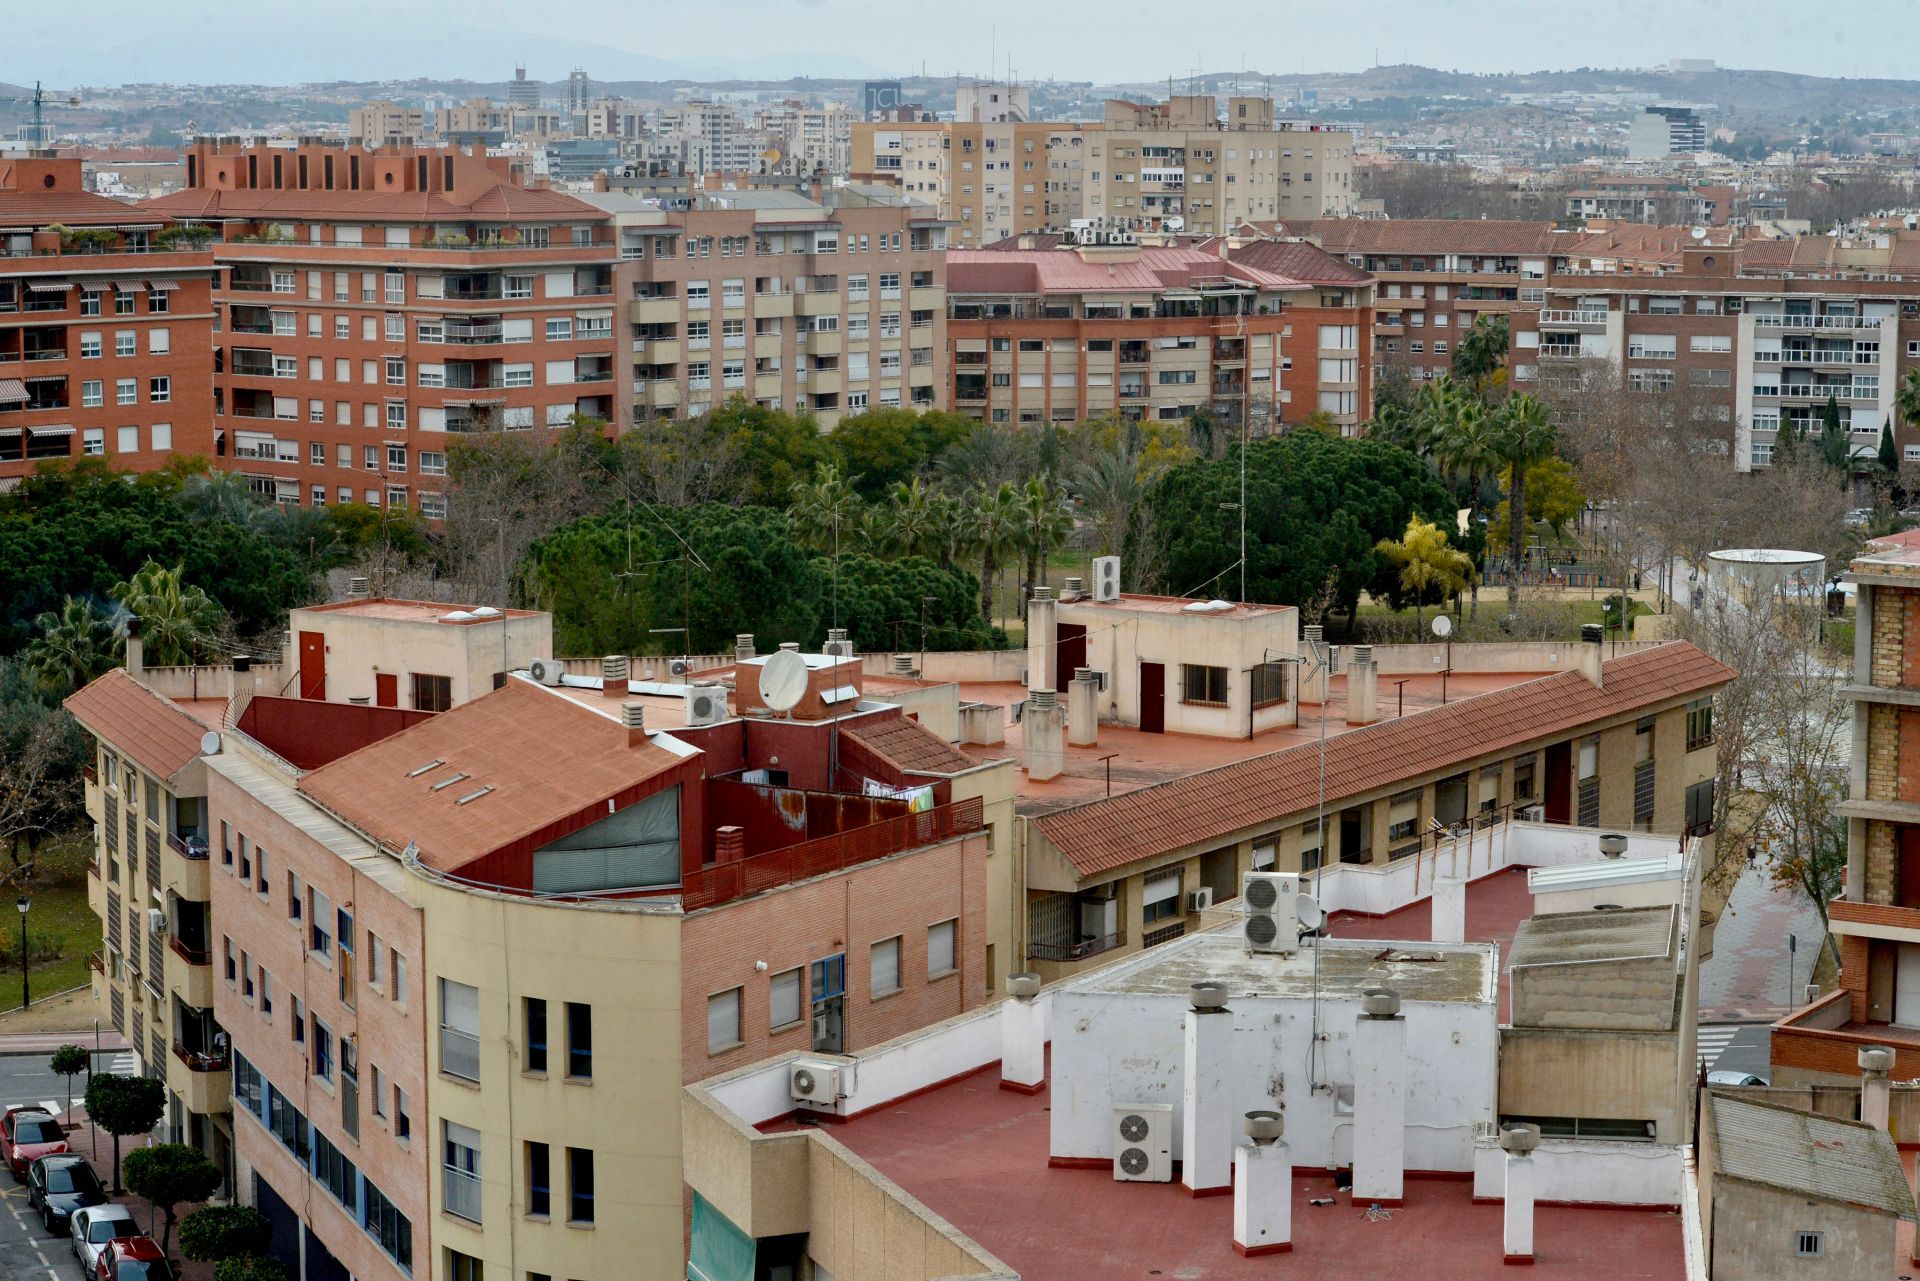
(89, 1230)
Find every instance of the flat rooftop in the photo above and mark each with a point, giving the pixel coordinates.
(977, 1156)
(1347, 967)
(417, 611)
(1496, 905)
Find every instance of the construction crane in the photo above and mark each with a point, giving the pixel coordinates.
(39, 100)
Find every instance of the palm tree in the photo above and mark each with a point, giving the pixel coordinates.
(75, 644)
(1906, 399)
(1480, 350)
(1526, 436)
(1045, 523)
(1112, 487)
(823, 509)
(1470, 444)
(948, 528)
(994, 531)
(1427, 564)
(226, 495)
(177, 620)
(907, 519)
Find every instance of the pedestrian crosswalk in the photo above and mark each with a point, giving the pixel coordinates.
(1710, 1039)
(124, 1064)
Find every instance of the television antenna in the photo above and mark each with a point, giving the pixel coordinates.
(783, 680)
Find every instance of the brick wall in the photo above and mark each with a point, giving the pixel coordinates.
(1853, 973)
(1883, 862)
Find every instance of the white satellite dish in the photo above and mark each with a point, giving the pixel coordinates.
(1307, 910)
(783, 680)
(1442, 626)
(1698, 233)
(209, 743)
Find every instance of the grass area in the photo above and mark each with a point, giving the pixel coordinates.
(62, 930)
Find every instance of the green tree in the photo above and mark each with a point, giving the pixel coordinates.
(1469, 444)
(908, 519)
(122, 1106)
(884, 602)
(881, 447)
(1113, 487)
(363, 529)
(777, 450)
(1554, 495)
(1906, 399)
(215, 1232)
(249, 1268)
(1425, 569)
(1045, 524)
(69, 1061)
(1833, 440)
(995, 531)
(74, 646)
(1527, 437)
(825, 509)
(1888, 457)
(1481, 351)
(170, 1175)
(177, 620)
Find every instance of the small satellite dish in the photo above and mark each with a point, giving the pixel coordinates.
(783, 680)
(1307, 910)
(1698, 233)
(210, 743)
(1442, 626)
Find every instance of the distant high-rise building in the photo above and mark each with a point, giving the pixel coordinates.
(579, 90)
(1658, 132)
(879, 97)
(523, 92)
(385, 124)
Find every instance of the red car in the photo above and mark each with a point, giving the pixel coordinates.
(132, 1259)
(27, 1134)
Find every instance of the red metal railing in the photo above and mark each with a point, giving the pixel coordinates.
(197, 1061)
(724, 882)
(191, 955)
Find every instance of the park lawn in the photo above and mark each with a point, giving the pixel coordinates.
(58, 910)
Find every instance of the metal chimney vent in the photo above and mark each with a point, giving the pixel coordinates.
(613, 667)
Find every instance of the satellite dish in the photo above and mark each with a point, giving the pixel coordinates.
(783, 680)
(209, 743)
(1307, 910)
(1442, 626)
(1698, 233)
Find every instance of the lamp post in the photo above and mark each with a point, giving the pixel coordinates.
(26, 996)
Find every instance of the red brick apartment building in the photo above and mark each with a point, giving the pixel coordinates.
(375, 301)
(105, 322)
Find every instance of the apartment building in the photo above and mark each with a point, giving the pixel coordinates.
(828, 305)
(386, 124)
(1262, 332)
(106, 316)
(1654, 133)
(992, 178)
(375, 302)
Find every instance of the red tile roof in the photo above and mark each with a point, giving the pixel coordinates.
(909, 746)
(24, 208)
(1300, 261)
(138, 723)
(503, 201)
(1103, 835)
(1423, 236)
(545, 757)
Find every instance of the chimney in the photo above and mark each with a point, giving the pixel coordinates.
(838, 643)
(1075, 589)
(1519, 1141)
(1449, 909)
(903, 667)
(1363, 686)
(1206, 1094)
(357, 588)
(983, 724)
(729, 844)
(1379, 1099)
(1313, 678)
(136, 648)
(1083, 708)
(743, 647)
(1263, 1188)
(239, 687)
(1023, 1037)
(1041, 632)
(613, 676)
(1043, 731)
(792, 647)
(1592, 635)
(1876, 1102)
(634, 717)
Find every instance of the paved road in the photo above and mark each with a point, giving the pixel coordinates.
(27, 1079)
(1747, 978)
(1736, 1047)
(27, 1251)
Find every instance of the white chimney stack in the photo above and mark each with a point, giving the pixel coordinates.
(1363, 686)
(1449, 909)
(1263, 1188)
(743, 647)
(1042, 633)
(1023, 1037)
(136, 648)
(1592, 637)
(1043, 731)
(1379, 1099)
(1206, 1111)
(1876, 1086)
(1313, 673)
(1517, 1229)
(1083, 708)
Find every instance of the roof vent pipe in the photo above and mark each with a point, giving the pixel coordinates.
(613, 676)
(1592, 635)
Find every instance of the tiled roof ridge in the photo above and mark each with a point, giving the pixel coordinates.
(109, 685)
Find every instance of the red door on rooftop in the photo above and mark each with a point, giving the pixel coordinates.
(1070, 652)
(313, 665)
(1153, 698)
(386, 689)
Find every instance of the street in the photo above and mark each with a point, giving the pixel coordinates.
(27, 1251)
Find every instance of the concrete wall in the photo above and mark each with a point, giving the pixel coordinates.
(269, 676)
(359, 645)
(1593, 1170)
(1600, 1074)
(1755, 1228)
(1624, 995)
(1498, 656)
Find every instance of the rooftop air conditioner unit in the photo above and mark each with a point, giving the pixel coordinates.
(157, 921)
(1200, 900)
(1270, 921)
(1143, 1143)
(812, 1081)
(548, 671)
(1530, 813)
(679, 667)
(706, 706)
(1106, 578)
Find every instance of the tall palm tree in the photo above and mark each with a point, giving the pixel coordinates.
(1045, 523)
(223, 495)
(823, 509)
(949, 527)
(1480, 350)
(1470, 444)
(1526, 437)
(908, 518)
(1112, 487)
(1427, 564)
(76, 644)
(994, 532)
(177, 620)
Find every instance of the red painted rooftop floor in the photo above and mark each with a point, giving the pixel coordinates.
(1496, 905)
(977, 1156)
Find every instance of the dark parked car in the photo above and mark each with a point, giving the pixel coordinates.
(59, 1185)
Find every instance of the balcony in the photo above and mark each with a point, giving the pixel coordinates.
(205, 1085)
(654, 311)
(1585, 318)
(1079, 951)
(464, 333)
(923, 298)
(1817, 391)
(1810, 323)
(824, 342)
(460, 1056)
(462, 1194)
(771, 305)
(1560, 351)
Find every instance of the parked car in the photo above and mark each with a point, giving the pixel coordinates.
(27, 1134)
(58, 1185)
(132, 1259)
(1734, 1078)
(90, 1229)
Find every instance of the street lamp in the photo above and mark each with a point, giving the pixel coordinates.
(26, 997)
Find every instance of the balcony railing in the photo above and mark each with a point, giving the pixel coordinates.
(191, 955)
(1076, 951)
(463, 1194)
(1816, 391)
(199, 1061)
(460, 1055)
(1581, 317)
(193, 846)
(1769, 321)
(724, 882)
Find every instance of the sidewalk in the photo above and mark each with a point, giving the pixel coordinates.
(97, 1147)
(111, 1042)
(1747, 978)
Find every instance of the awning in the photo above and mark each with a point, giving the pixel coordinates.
(62, 430)
(8, 433)
(12, 391)
(46, 378)
(49, 286)
(163, 286)
(130, 286)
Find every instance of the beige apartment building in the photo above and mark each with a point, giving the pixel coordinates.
(830, 305)
(385, 124)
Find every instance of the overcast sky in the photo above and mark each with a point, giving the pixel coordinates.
(284, 41)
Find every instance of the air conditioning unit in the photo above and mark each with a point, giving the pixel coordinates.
(1106, 578)
(812, 1081)
(1143, 1143)
(706, 706)
(1200, 900)
(157, 921)
(1531, 813)
(1099, 679)
(548, 671)
(1270, 922)
(679, 667)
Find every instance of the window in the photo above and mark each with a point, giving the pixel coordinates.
(1203, 684)
(1160, 896)
(459, 1030)
(1700, 723)
(783, 1000)
(539, 1180)
(723, 1021)
(464, 1267)
(1269, 684)
(461, 1166)
(160, 390)
(126, 391)
(940, 948)
(124, 343)
(559, 329)
(93, 393)
(1523, 779)
(90, 345)
(579, 1185)
(883, 974)
(1700, 803)
(322, 1050)
(432, 693)
(398, 967)
(402, 1117)
(579, 1041)
(534, 1017)
(319, 916)
(1403, 816)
